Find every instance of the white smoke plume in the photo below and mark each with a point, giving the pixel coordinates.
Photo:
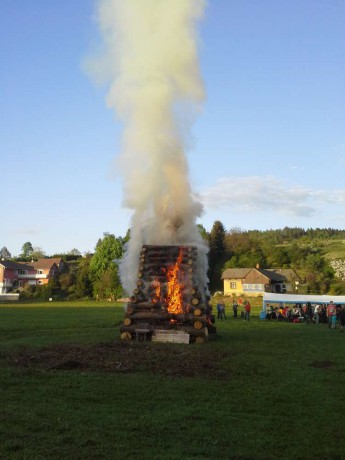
(156, 89)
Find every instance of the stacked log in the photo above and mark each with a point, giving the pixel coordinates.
(149, 304)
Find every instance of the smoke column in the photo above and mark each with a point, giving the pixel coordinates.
(156, 90)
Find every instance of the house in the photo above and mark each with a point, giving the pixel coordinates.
(14, 275)
(256, 281)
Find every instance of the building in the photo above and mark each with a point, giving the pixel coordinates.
(256, 281)
(14, 275)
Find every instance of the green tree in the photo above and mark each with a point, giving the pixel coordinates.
(83, 285)
(5, 253)
(278, 257)
(108, 251)
(217, 255)
(27, 249)
(108, 286)
(37, 253)
(203, 232)
(67, 280)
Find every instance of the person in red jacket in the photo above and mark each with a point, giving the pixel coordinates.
(247, 308)
(331, 314)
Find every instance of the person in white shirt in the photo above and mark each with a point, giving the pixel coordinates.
(317, 313)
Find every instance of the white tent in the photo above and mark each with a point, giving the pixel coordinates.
(270, 297)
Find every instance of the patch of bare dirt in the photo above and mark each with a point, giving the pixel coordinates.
(322, 364)
(122, 357)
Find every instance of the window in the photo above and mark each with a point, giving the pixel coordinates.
(22, 272)
(39, 272)
(233, 285)
(253, 287)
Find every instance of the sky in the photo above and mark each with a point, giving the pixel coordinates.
(266, 151)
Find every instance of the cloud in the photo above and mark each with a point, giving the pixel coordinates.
(268, 193)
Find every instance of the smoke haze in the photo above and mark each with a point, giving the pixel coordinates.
(156, 90)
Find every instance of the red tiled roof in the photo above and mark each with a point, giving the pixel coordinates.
(46, 263)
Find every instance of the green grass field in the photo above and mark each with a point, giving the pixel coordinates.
(260, 390)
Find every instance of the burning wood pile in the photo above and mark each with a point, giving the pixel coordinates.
(168, 301)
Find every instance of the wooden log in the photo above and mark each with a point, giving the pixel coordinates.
(164, 265)
(190, 317)
(138, 298)
(171, 251)
(130, 328)
(130, 310)
(195, 301)
(198, 324)
(139, 308)
(152, 277)
(200, 339)
(126, 336)
(149, 315)
(148, 305)
(170, 254)
(197, 312)
(127, 321)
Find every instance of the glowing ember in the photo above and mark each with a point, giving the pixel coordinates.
(174, 288)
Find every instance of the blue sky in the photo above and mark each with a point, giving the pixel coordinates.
(267, 151)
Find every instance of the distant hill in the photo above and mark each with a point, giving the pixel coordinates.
(317, 255)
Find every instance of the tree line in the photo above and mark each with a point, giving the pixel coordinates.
(303, 250)
(96, 275)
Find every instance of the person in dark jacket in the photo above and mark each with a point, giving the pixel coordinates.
(342, 318)
(235, 308)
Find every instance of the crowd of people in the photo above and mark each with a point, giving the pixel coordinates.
(245, 308)
(330, 314)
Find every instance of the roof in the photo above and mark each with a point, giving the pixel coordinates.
(288, 273)
(241, 273)
(42, 263)
(15, 265)
(235, 273)
(45, 263)
(271, 274)
(57, 260)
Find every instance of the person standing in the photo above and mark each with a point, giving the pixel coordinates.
(317, 313)
(308, 312)
(342, 318)
(247, 308)
(235, 307)
(219, 310)
(222, 310)
(331, 314)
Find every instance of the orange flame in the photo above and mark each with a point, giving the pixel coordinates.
(174, 288)
(157, 291)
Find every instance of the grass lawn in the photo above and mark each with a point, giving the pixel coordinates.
(261, 390)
